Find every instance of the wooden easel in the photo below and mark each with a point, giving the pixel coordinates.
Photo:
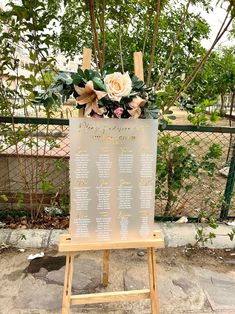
(71, 248)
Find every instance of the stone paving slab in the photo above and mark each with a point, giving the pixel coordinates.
(86, 278)
(219, 289)
(37, 294)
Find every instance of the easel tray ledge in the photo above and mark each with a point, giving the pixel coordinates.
(67, 245)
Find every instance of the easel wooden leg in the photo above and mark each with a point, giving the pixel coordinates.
(106, 268)
(152, 281)
(71, 248)
(68, 283)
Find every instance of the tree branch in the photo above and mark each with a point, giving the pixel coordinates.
(103, 32)
(200, 64)
(168, 62)
(120, 46)
(154, 40)
(101, 21)
(146, 28)
(94, 33)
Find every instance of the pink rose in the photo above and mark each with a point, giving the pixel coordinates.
(95, 115)
(118, 112)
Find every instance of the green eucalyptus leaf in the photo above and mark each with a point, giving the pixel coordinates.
(77, 79)
(171, 117)
(98, 84)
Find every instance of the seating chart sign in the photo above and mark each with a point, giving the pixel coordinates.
(112, 179)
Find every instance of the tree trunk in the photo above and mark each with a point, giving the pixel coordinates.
(230, 124)
(101, 22)
(98, 56)
(231, 109)
(222, 105)
(170, 194)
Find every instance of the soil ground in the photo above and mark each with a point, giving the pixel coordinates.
(181, 118)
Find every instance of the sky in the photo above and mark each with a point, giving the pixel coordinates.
(215, 20)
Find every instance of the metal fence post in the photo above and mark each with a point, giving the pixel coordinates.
(229, 187)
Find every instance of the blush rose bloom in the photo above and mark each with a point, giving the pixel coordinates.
(118, 85)
(135, 104)
(118, 112)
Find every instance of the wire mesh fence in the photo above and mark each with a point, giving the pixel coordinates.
(192, 168)
(34, 167)
(192, 171)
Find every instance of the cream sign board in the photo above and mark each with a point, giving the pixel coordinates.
(112, 179)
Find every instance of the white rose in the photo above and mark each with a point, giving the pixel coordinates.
(118, 85)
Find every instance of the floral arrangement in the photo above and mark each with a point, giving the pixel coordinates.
(113, 95)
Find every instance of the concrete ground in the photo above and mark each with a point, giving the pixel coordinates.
(190, 281)
(173, 235)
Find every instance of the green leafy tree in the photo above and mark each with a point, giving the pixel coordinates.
(216, 79)
(28, 26)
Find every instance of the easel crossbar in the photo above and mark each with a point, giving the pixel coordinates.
(66, 244)
(132, 295)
